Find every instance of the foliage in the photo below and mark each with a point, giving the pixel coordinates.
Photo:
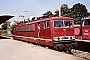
(88, 13)
(57, 13)
(78, 11)
(65, 10)
(48, 13)
(3, 32)
(0, 32)
(4, 26)
(12, 27)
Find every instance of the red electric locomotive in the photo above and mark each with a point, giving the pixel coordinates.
(57, 32)
(82, 34)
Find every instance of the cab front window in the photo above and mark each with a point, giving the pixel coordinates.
(63, 23)
(58, 23)
(68, 24)
(87, 22)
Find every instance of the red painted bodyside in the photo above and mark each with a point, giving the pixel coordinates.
(77, 32)
(46, 35)
(60, 32)
(86, 32)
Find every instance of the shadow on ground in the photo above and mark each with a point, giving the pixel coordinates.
(4, 37)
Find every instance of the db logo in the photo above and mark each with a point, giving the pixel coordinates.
(86, 31)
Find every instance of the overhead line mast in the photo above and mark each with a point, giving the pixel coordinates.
(59, 9)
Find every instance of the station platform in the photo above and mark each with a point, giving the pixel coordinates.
(17, 50)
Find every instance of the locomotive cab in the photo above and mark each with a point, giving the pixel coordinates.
(63, 34)
(63, 30)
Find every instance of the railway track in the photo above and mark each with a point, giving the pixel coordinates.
(81, 54)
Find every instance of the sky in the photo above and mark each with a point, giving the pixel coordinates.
(29, 8)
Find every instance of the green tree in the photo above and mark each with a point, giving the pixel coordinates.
(48, 13)
(88, 13)
(57, 13)
(5, 25)
(12, 27)
(64, 10)
(78, 11)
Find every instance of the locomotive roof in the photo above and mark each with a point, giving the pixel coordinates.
(54, 18)
(62, 18)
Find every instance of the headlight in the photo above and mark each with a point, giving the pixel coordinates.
(55, 38)
(73, 37)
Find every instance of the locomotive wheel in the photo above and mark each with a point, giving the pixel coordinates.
(61, 47)
(56, 47)
(75, 45)
(68, 48)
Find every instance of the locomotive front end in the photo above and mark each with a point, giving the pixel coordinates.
(63, 34)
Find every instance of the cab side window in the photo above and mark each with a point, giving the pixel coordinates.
(46, 24)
